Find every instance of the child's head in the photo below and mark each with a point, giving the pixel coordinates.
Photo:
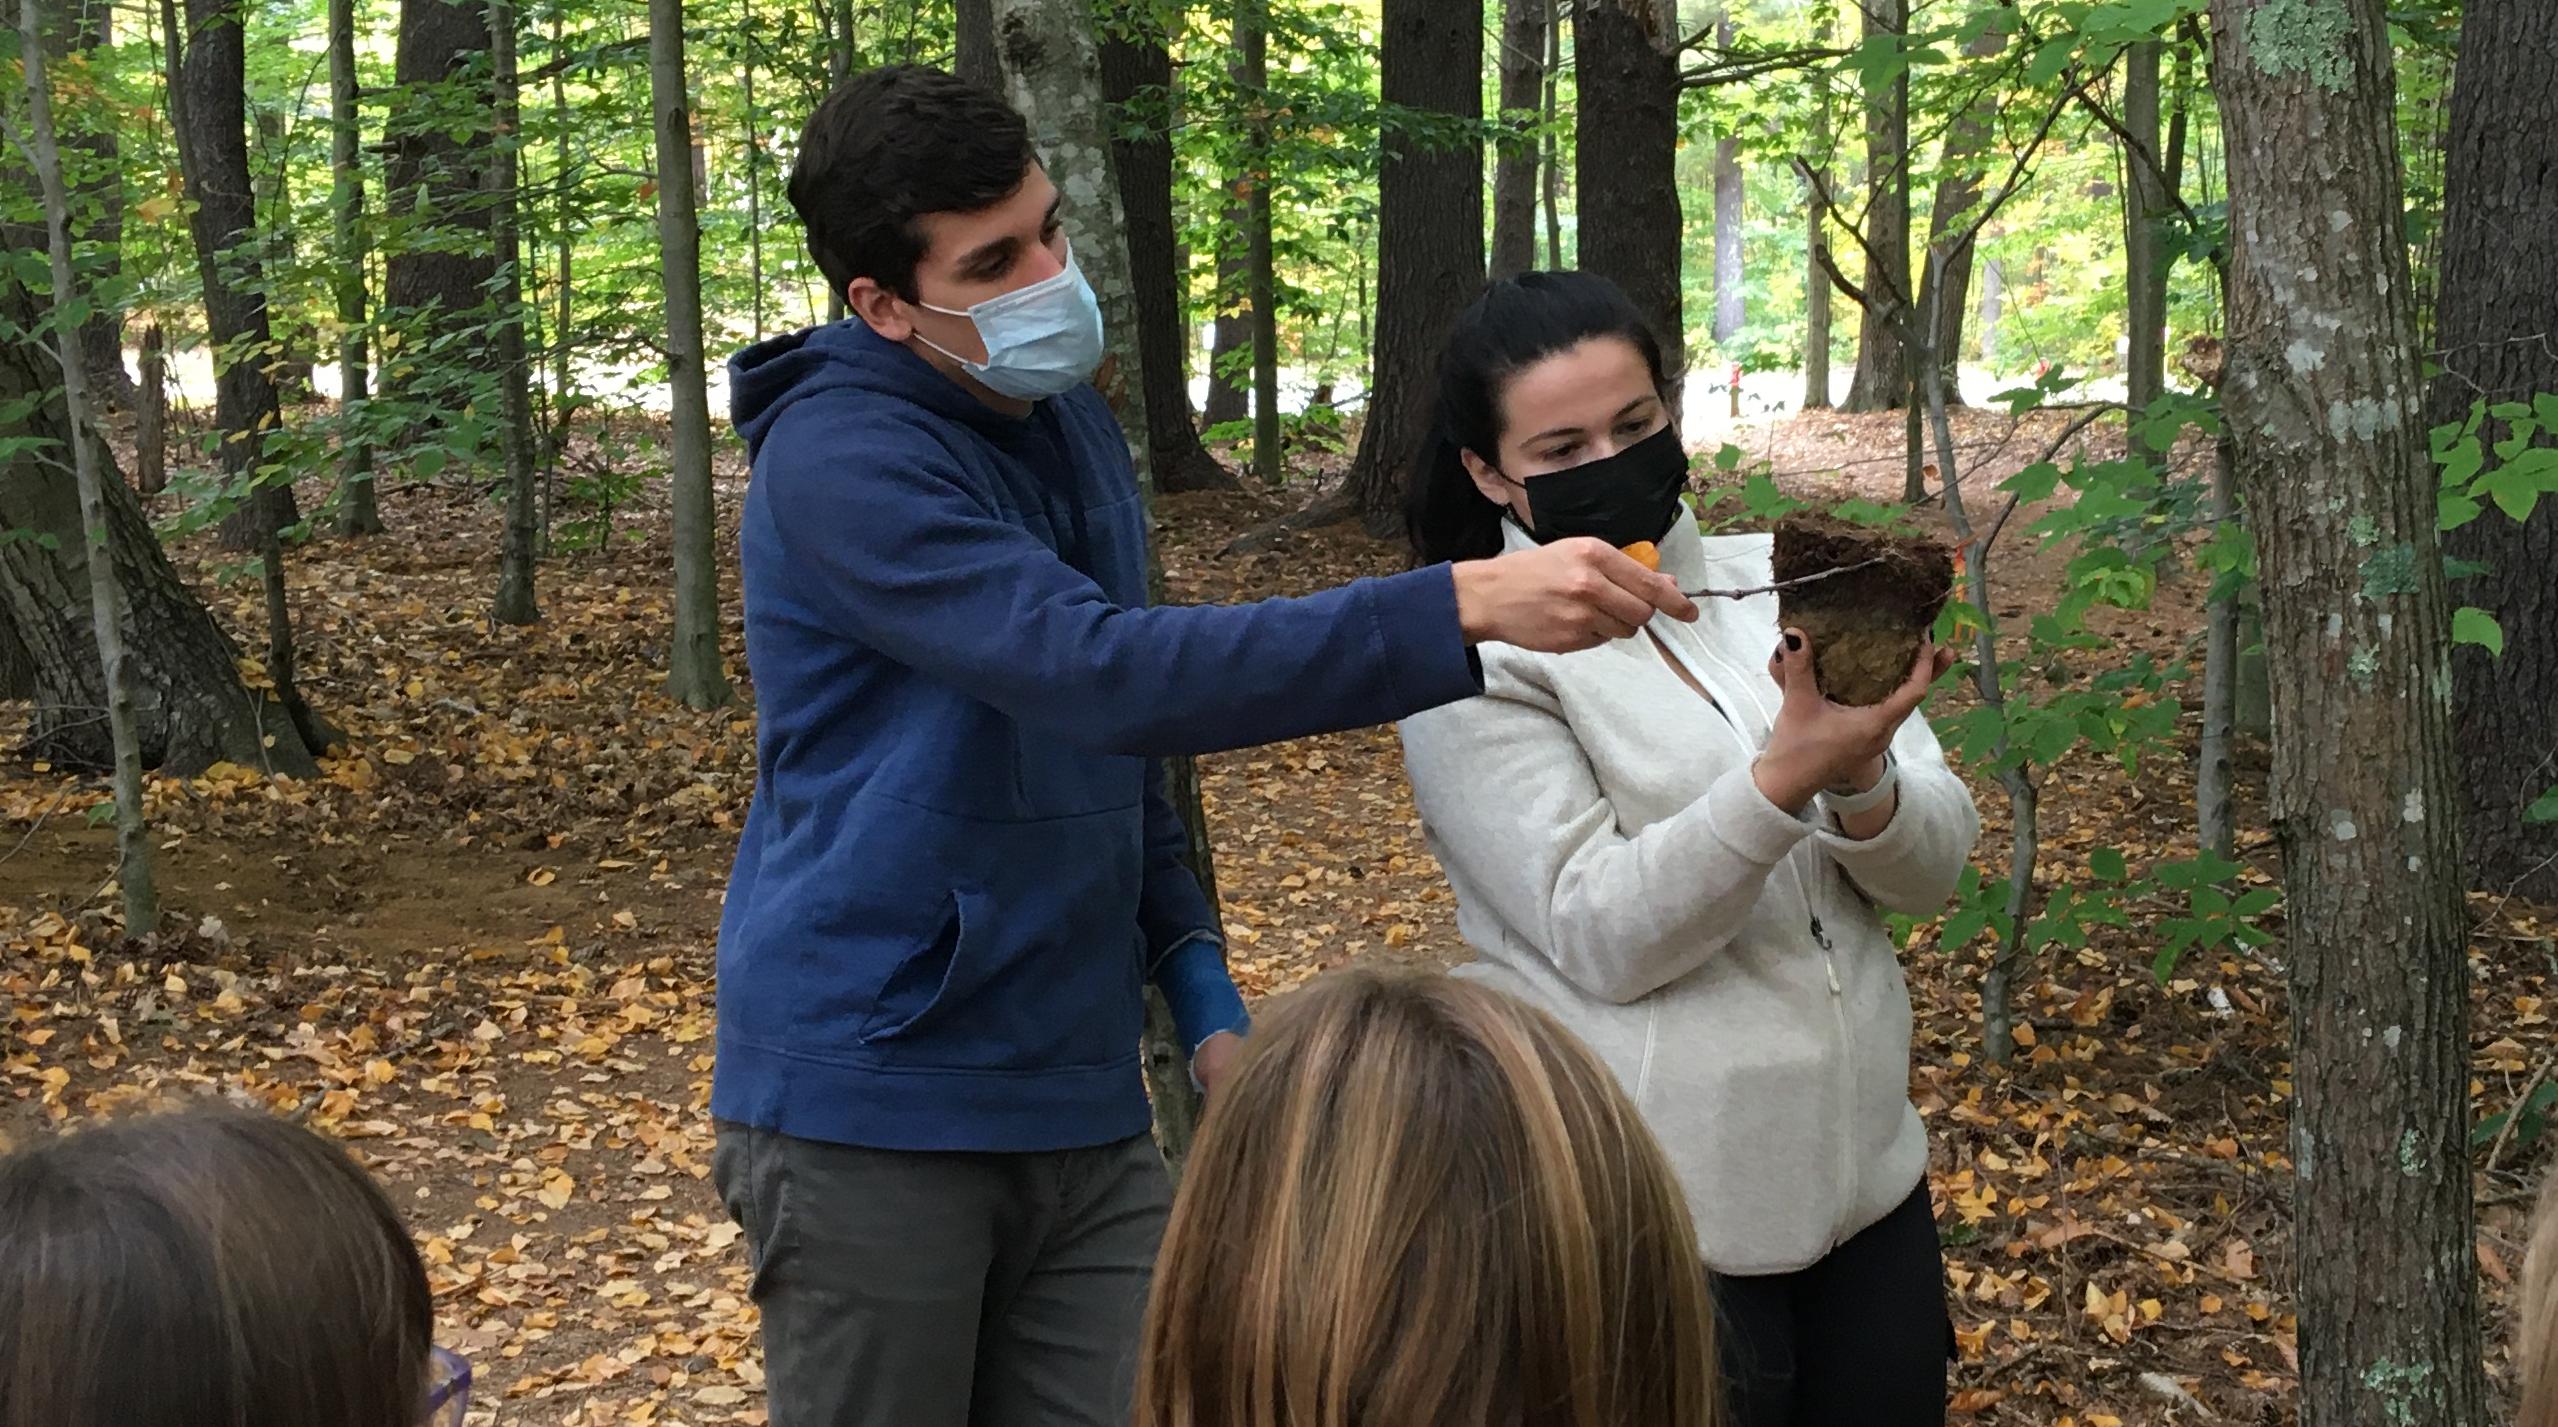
(205, 1268)
(1422, 1203)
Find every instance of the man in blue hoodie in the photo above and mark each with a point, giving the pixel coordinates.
(960, 869)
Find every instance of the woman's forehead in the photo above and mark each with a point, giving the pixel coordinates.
(1580, 388)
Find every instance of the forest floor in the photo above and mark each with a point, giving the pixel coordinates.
(479, 948)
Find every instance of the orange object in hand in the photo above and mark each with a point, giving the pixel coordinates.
(1644, 553)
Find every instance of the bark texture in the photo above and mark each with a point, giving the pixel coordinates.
(1429, 241)
(2325, 405)
(1137, 67)
(694, 676)
(1626, 159)
(2496, 330)
(1882, 380)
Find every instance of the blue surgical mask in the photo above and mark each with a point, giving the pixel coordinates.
(1041, 340)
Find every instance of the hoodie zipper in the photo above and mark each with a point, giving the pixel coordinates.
(1847, 1063)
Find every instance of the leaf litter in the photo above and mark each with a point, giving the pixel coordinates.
(478, 949)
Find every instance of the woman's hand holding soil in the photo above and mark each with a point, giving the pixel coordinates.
(1817, 743)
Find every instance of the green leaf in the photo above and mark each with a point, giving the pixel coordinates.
(2543, 809)
(2107, 862)
(2472, 625)
(2035, 483)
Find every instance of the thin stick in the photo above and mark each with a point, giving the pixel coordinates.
(1781, 584)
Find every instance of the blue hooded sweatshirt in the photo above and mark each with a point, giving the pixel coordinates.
(959, 867)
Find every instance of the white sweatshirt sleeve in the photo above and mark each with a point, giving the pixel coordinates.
(1520, 823)
(1913, 864)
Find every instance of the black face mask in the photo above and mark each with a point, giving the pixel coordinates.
(1630, 496)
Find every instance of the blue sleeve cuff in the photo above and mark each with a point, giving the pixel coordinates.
(1427, 652)
(1202, 997)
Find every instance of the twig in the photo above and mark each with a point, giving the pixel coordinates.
(2513, 1112)
(1781, 584)
(38, 825)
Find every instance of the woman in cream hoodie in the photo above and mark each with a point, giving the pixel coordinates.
(1675, 844)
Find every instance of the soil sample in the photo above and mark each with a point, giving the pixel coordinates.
(1866, 623)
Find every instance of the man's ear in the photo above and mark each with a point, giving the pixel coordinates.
(880, 308)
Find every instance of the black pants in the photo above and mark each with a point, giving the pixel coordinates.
(1860, 1339)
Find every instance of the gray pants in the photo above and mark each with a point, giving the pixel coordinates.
(907, 1289)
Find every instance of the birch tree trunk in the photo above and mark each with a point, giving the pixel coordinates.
(1052, 74)
(694, 677)
(2325, 401)
(106, 596)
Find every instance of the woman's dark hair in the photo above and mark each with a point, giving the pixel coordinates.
(889, 146)
(205, 1268)
(1517, 323)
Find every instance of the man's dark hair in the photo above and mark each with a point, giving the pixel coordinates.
(889, 146)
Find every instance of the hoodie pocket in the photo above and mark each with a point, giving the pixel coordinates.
(935, 975)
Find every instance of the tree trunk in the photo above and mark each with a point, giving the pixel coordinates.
(1993, 307)
(1261, 268)
(91, 473)
(2497, 311)
(1551, 161)
(563, 342)
(1136, 65)
(1229, 400)
(190, 708)
(1429, 241)
(436, 284)
(1729, 201)
(694, 677)
(151, 416)
(2144, 256)
(839, 67)
(2215, 816)
(516, 603)
(1514, 167)
(271, 209)
(2323, 396)
(1626, 160)
(753, 138)
(358, 512)
(210, 119)
(1882, 372)
(1958, 192)
(93, 168)
(1052, 75)
(977, 58)
(1816, 239)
